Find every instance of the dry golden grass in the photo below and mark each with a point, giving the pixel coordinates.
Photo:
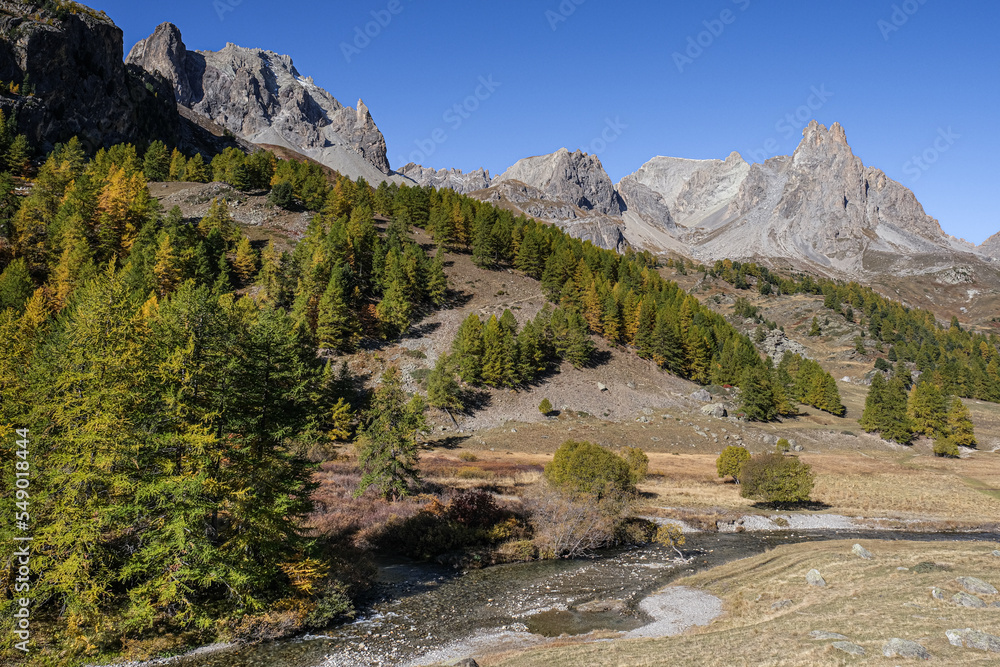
(868, 601)
(901, 485)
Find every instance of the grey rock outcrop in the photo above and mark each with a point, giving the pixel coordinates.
(814, 578)
(861, 552)
(820, 208)
(602, 230)
(260, 96)
(79, 84)
(991, 247)
(967, 600)
(702, 395)
(776, 343)
(975, 585)
(447, 178)
(715, 410)
(970, 638)
(824, 207)
(904, 648)
(575, 178)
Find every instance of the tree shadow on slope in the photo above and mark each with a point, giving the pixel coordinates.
(802, 506)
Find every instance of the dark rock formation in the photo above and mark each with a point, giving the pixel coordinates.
(71, 63)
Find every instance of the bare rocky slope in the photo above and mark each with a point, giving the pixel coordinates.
(260, 96)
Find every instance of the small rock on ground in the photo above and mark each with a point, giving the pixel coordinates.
(781, 604)
(974, 639)
(904, 648)
(702, 395)
(996, 552)
(966, 600)
(861, 552)
(824, 635)
(848, 647)
(937, 593)
(974, 585)
(814, 578)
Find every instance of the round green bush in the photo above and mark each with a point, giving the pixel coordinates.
(730, 460)
(586, 468)
(775, 478)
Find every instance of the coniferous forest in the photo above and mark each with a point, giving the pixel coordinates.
(173, 375)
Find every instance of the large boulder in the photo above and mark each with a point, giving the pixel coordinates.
(904, 648)
(861, 552)
(970, 638)
(848, 647)
(814, 578)
(977, 586)
(966, 600)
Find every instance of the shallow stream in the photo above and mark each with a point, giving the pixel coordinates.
(425, 614)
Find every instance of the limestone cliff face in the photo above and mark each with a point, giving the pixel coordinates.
(71, 62)
(821, 207)
(576, 178)
(260, 96)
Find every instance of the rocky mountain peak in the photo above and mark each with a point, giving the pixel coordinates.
(577, 178)
(462, 183)
(260, 96)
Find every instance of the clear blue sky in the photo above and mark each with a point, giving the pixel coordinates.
(564, 68)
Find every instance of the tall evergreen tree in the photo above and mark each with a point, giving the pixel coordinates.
(442, 390)
(156, 162)
(245, 262)
(959, 424)
(337, 326)
(757, 395)
(468, 349)
(499, 368)
(387, 447)
(927, 409)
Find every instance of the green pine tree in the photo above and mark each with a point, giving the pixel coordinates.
(757, 395)
(959, 424)
(336, 325)
(387, 446)
(156, 162)
(468, 349)
(442, 390)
